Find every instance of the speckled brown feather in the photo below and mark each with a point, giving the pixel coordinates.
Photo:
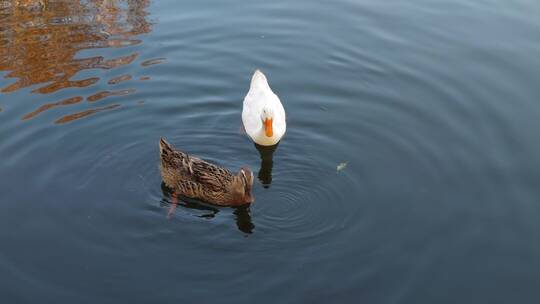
(195, 178)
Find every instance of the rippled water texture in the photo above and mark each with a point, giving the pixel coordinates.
(432, 105)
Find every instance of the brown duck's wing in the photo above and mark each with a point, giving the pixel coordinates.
(209, 174)
(198, 191)
(190, 189)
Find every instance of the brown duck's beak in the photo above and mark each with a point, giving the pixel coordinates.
(268, 127)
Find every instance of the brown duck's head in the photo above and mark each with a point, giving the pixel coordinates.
(241, 187)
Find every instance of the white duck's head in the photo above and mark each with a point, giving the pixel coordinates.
(267, 118)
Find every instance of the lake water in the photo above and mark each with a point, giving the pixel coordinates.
(434, 106)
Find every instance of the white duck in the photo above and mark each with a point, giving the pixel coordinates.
(263, 114)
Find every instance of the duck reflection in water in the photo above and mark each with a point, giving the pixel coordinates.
(267, 162)
(242, 213)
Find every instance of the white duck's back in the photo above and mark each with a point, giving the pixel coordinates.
(260, 95)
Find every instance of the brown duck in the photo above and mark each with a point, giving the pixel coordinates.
(195, 178)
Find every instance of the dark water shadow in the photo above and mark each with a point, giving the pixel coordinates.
(242, 213)
(243, 219)
(267, 162)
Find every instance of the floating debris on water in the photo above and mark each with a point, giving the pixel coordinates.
(341, 166)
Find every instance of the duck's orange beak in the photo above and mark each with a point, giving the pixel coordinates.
(268, 127)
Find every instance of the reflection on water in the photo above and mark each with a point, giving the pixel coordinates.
(40, 39)
(152, 61)
(243, 219)
(267, 162)
(40, 43)
(78, 115)
(103, 94)
(121, 78)
(69, 101)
